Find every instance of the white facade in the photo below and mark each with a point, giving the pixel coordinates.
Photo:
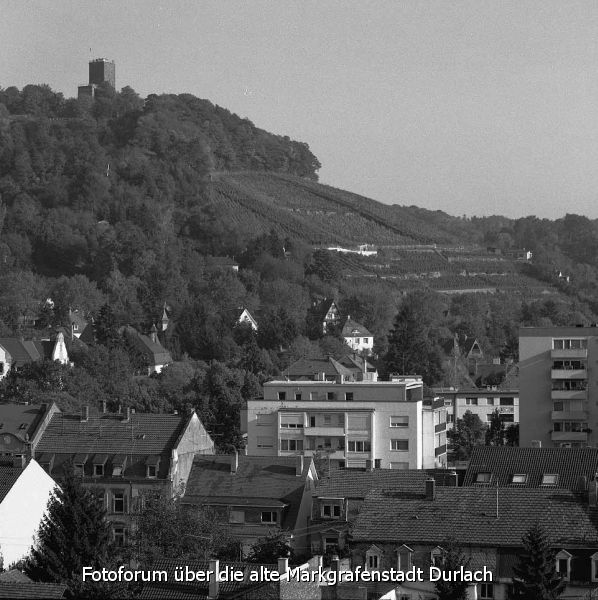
(360, 343)
(5, 360)
(22, 510)
(356, 424)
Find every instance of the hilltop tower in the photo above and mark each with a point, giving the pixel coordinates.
(101, 70)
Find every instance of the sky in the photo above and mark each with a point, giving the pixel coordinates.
(470, 107)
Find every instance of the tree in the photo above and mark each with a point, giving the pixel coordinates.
(105, 328)
(451, 559)
(512, 435)
(536, 576)
(467, 433)
(73, 534)
(495, 434)
(269, 549)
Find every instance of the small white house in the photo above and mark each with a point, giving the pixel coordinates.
(357, 337)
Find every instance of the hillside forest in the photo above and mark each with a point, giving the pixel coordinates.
(123, 207)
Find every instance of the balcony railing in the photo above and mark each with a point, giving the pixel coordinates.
(568, 374)
(569, 436)
(569, 394)
(337, 453)
(326, 431)
(571, 353)
(569, 415)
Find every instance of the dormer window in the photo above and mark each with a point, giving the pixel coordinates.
(151, 467)
(436, 556)
(483, 478)
(550, 479)
(404, 558)
(331, 511)
(79, 464)
(98, 470)
(563, 564)
(118, 465)
(269, 516)
(519, 478)
(372, 558)
(152, 471)
(99, 461)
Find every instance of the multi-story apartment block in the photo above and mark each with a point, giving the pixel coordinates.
(382, 424)
(480, 402)
(555, 375)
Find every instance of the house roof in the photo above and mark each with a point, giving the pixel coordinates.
(21, 420)
(259, 479)
(357, 363)
(14, 575)
(354, 329)
(31, 590)
(193, 590)
(154, 351)
(306, 368)
(8, 476)
(76, 318)
(571, 465)
(353, 483)
(20, 351)
(469, 515)
(468, 344)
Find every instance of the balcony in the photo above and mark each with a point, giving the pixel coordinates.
(439, 427)
(332, 453)
(568, 374)
(569, 436)
(569, 415)
(324, 431)
(569, 394)
(440, 450)
(572, 353)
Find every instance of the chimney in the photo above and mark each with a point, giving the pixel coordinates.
(234, 463)
(430, 489)
(213, 584)
(452, 479)
(154, 334)
(85, 414)
(536, 443)
(299, 466)
(104, 410)
(368, 465)
(283, 566)
(127, 417)
(593, 493)
(18, 462)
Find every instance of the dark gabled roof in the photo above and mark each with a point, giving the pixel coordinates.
(21, 352)
(306, 368)
(354, 329)
(44, 348)
(109, 433)
(193, 590)
(154, 351)
(469, 515)
(8, 475)
(571, 464)
(14, 575)
(357, 363)
(353, 483)
(20, 419)
(260, 479)
(468, 344)
(31, 590)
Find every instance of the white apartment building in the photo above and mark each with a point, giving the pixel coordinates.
(480, 402)
(382, 424)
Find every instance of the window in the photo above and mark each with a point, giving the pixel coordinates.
(359, 446)
(312, 421)
(349, 396)
(331, 511)
(98, 470)
(119, 535)
(483, 477)
(289, 421)
(264, 442)
(550, 479)
(297, 395)
(291, 445)
(236, 516)
(340, 420)
(563, 564)
(327, 419)
(436, 556)
(269, 516)
(450, 418)
(507, 418)
(117, 470)
(264, 419)
(399, 421)
(79, 469)
(519, 478)
(569, 344)
(402, 445)
(486, 591)
(489, 417)
(1, 368)
(366, 340)
(358, 422)
(357, 340)
(282, 396)
(404, 562)
(507, 401)
(471, 401)
(118, 502)
(558, 406)
(152, 471)
(490, 401)
(330, 396)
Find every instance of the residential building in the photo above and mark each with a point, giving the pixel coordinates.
(329, 315)
(155, 356)
(559, 407)
(339, 497)
(256, 495)
(124, 456)
(77, 323)
(350, 367)
(357, 337)
(15, 352)
(350, 423)
(404, 530)
(32, 590)
(481, 402)
(240, 316)
(510, 466)
(25, 490)
(21, 427)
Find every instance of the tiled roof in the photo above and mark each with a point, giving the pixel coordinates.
(8, 476)
(354, 329)
(157, 354)
(21, 352)
(571, 464)
(14, 416)
(353, 483)
(357, 363)
(307, 368)
(199, 590)
(14, 575)
(145, 434)
(469, 515)
(258, 478)
(31, 590)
